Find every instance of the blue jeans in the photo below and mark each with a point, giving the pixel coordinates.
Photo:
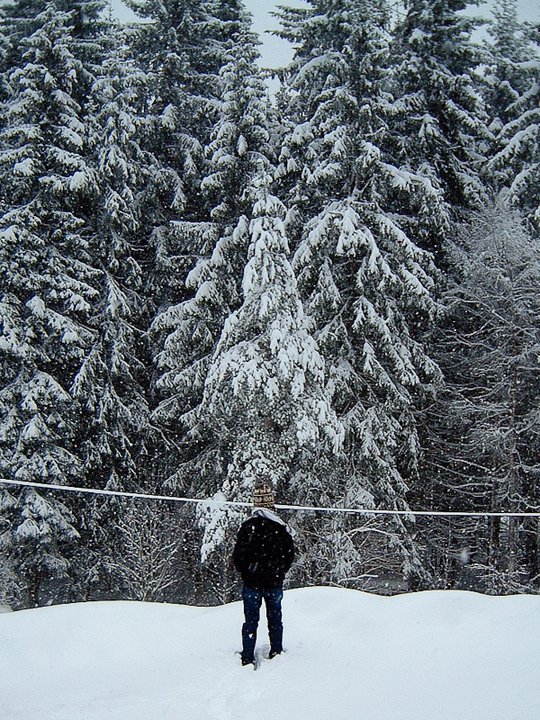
(252, 605)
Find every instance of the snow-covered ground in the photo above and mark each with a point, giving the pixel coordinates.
(350, 656)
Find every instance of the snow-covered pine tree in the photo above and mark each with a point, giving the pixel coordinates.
(112, 384)
(507, 49)
(265, 403)
(514, 81)
(362, 276)
(240, 138)
(439, 117)
(117, 362)
(183, 46)
(172, 46)
(180, 46)
(239, 145)
(485, 426)
(17, 22)
(190, 329)
(47, 292)
(187, 332)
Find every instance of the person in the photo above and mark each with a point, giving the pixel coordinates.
(263, 553)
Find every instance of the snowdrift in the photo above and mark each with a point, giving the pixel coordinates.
(350, 656)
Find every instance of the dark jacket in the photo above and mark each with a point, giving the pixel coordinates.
(263, 553)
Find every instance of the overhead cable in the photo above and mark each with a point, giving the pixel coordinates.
(234, 503)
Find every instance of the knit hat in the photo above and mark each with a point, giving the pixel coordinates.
(263, 495)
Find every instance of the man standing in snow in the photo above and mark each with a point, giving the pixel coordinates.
(263, 553)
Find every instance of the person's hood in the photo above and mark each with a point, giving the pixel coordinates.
(271, 515)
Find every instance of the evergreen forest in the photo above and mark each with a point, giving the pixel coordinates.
(334, 287)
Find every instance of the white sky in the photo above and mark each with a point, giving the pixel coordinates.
(276, 52)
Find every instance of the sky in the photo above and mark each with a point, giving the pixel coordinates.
(277, 53)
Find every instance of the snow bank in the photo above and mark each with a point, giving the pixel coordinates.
(350, 656)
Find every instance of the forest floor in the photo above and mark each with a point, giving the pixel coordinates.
(350, 656)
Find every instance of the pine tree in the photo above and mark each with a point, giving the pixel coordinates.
(177, 46)
(112, 384)
(514, 82)
(204, 250)
(48, 289)
(362, 276)
(507, 49)
(264, 399)
(112, 380)
(439, 114)
(240, 138)
(188, 331)
(17, 22)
